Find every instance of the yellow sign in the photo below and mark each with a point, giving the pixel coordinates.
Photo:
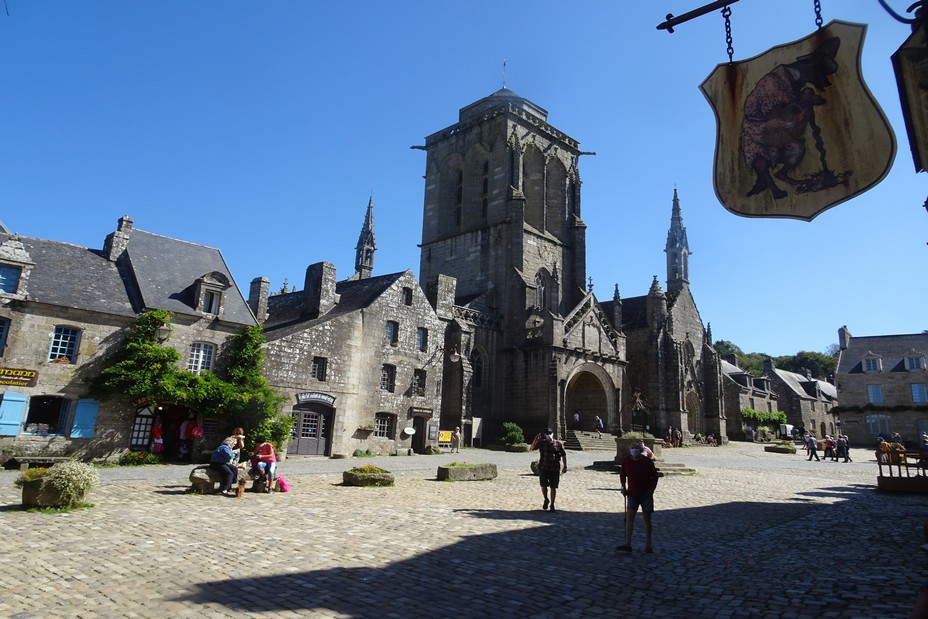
(16, 377)
(444, 436)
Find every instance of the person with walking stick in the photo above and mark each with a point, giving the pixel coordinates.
(639, 479)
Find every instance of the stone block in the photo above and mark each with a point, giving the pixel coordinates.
(205, 480)
(466, 472)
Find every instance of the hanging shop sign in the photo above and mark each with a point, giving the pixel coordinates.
(315, 396)
(910, 63)
(14, 377)
(798, 131)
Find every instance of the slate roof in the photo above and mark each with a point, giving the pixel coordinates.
(354, 295)
(805, 387)
(634, 312)
(166, 271)
(67, 275)
(892, 348)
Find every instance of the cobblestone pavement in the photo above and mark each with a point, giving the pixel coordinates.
(751, 535)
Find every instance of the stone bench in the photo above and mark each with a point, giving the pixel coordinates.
(26, 461)
(206, 480)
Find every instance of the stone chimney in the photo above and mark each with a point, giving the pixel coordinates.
(257, 297)
(844, 338)
(440, 291)
(116, 242)
(319, 290)
(768, 366)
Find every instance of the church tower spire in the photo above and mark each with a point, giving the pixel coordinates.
(364, 252)
(677, 250)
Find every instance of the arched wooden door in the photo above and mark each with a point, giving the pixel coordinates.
(311, 434)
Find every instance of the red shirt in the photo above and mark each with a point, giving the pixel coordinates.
(640, 474)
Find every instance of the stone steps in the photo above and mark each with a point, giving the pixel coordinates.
(588, 441)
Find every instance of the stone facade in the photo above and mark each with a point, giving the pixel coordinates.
(742, 391)
(64, 308)
(360, 360)
(806, 401)
(882, 381)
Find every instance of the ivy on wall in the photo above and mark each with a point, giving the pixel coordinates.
(144, 368)
(763, 418)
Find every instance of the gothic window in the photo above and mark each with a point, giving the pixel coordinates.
(458, 200)
(64, 345)
(540, 291)
(533, 187)
(201, 357)
(485, 192)
(476, 362)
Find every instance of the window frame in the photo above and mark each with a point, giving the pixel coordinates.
(875, 362)
(388, 378)
(874, 394)
(422, 339)
(319, 368)
(392, 332)
(919, 393)
(197, 359)
(4, 333)
(406, 295)
(385, 425)
(918, 361)
(19, 276)
(419, 381)
(65, 344)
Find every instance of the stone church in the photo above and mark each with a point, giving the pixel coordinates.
(502, 221)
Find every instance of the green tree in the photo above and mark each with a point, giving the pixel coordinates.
(143, 368)
(820, 365)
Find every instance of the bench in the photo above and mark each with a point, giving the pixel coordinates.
(26, 461)
(206, 480)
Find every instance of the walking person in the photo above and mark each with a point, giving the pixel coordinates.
(639, 479)
(456, 440)
(812, 444)
(847, 448)
(598, 422)
(551, 452)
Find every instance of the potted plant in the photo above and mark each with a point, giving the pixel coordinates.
(64, 485)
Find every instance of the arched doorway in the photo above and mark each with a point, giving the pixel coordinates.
(586, 395)
(693, 412)
(311, 430)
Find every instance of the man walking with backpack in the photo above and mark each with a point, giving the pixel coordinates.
(549, 468)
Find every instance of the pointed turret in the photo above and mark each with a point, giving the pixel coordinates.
(617, 309)
(364, 252)
(677, 250)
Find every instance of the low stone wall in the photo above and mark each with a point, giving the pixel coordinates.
(467, 472)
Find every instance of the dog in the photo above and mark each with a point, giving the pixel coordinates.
(240, 490)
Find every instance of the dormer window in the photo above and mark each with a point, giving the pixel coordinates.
(211, 302)
(873, 364)
(915, 362)
(209, 291)
(9, 278)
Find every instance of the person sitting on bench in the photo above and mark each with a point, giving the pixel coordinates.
(264, 460)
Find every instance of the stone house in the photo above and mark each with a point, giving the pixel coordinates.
(63, 308)
(360, 360)
(807, 401)
(882, 381)
(742, 391)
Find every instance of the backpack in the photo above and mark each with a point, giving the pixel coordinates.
(282, 484)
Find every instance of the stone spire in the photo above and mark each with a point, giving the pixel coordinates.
(364, 252)
(677, 250)
(617, 309)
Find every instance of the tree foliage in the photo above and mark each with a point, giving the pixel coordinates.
(143, 368)
(821, 365)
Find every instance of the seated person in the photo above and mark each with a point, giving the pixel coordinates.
(265, 461)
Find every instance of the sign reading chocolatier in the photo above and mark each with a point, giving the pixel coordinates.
(13, 377)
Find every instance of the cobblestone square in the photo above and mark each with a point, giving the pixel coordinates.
(751, 535)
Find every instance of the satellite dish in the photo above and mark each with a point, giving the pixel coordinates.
(409, 431)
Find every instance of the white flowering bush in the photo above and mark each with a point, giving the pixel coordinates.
(72, 480)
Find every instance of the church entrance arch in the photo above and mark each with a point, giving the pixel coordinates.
(311, 434)
(693, 416)
(587, 395)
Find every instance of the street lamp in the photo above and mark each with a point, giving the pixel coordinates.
(163, 333)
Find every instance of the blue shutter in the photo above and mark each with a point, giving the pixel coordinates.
(12, 409)
(85, 419)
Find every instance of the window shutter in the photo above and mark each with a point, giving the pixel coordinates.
(12, 410)
(85, 419)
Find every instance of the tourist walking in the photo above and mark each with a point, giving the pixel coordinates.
(812, 444)
(639, 479)
(456, 441)
(551, 453)
(598, 422)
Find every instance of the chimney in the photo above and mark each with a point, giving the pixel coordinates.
(440, 291)
(257, 297)
(319, 290)
(768, 366)
(116, 242)
(844, 338)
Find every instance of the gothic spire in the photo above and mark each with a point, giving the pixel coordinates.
(364, 252)
(677, 250)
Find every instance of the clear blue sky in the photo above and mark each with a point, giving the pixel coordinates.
(261, 128)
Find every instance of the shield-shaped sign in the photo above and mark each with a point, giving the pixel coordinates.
(798, 129)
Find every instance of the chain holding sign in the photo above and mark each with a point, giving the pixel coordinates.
(798, 131)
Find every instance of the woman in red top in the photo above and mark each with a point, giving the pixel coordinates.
(265, 460)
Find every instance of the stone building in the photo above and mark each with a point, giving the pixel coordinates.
(62, 310)
(882, 381)
(806, 401)
(672, 366)
(502, 216)
(360, 360)
(742, 391)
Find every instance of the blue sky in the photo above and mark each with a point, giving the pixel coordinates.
(263, 128)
